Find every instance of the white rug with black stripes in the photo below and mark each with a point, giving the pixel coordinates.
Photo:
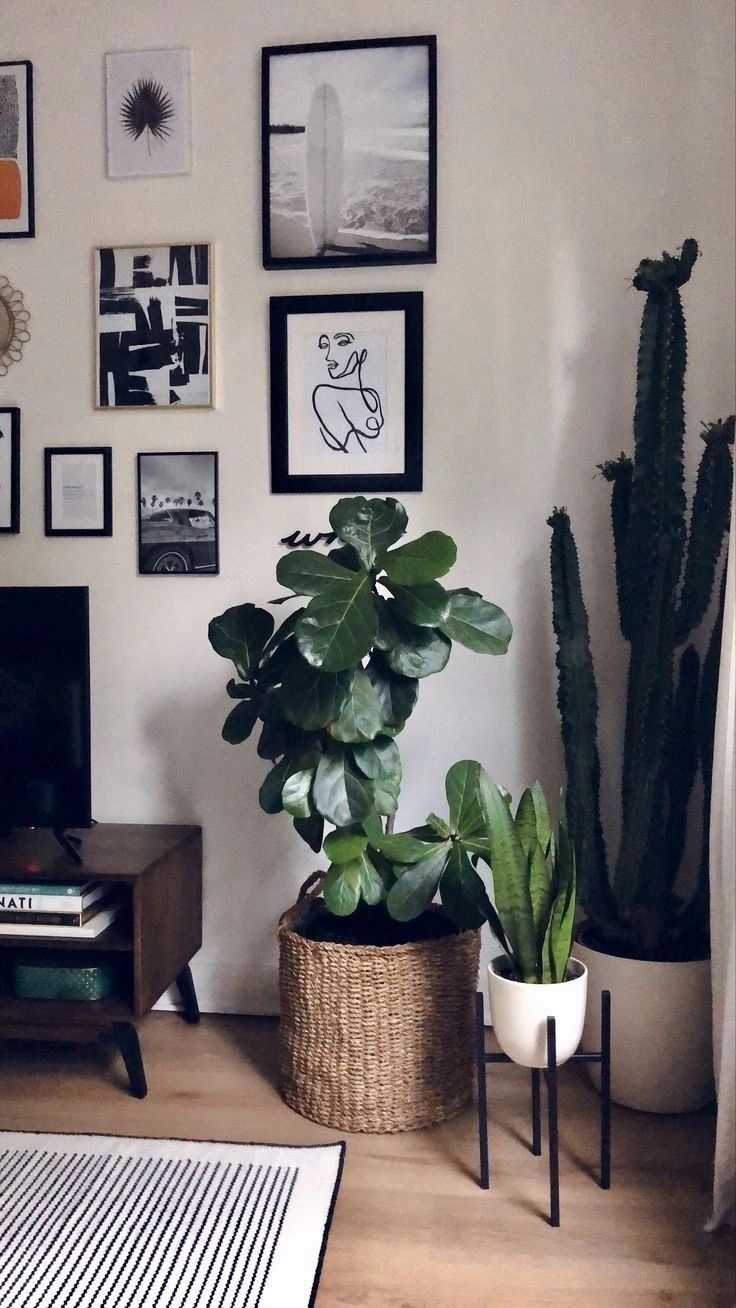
(95, 1221)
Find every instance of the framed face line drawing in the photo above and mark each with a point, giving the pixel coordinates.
(349, 153)
(17, 217)
(10, 471)
(346, 392)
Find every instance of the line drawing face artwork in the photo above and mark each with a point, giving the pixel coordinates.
(350, 409)
(148, 108)
(148, 113)
(153, 326)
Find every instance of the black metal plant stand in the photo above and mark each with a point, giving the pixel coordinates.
(603, 1056)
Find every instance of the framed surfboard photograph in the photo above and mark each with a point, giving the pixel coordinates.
(349, 153)
(346, 392)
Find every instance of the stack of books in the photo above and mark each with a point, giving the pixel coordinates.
(81, 911)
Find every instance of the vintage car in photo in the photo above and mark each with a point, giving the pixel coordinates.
(178, 540)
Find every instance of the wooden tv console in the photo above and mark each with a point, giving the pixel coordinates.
(152, 941)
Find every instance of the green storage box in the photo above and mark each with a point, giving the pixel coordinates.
(54, 976)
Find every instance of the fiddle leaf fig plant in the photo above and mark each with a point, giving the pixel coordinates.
(335, 683)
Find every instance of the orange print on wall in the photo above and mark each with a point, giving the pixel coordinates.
(10, 189)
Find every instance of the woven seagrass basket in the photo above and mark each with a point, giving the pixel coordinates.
(376, 1038)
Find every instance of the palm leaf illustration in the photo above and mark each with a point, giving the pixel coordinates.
(147, 107)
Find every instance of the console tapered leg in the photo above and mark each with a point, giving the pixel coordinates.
(188, 994)
(126, 1038)
(480, 1061)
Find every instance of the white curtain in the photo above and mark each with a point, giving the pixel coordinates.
(723, 910)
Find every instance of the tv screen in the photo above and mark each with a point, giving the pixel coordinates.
(44, 707)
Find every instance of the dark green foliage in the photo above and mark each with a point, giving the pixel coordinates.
(338, 680)
(664, 581)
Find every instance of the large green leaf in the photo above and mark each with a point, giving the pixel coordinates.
(540, 890)
(284, 631)
(279, 663)
(462, 892)
(526, 823)
(337, 627)
(240, 721)
(510, 879)
(424, 606)
(310, 698)
(341, 793)
(425, 559)
(544, 825)
(397, 695)
(417, 885)
(342, 846)
(269, 795)
(360, 716)
(461, 788)
(240, 689)
(558, 941)
(308, 572)
(404, 847)
(240, 634)
(296, 792)
(341, 888)
(391, 627)
(476, 623)
(369, 526)
(311, 830)
(421, 652)
(380, 760)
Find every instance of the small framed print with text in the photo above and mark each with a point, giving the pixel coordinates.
(346, 392)
(78, 490)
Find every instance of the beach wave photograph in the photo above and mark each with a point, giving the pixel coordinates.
(349, 153)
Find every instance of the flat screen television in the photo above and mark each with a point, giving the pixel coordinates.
(45, 776)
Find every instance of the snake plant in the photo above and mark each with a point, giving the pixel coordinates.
(334, 685)
(665, 568)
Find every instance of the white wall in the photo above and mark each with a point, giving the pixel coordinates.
(575, 137)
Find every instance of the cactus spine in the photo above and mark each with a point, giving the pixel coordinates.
(664, 581)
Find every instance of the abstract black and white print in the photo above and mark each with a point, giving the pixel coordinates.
(153, 326)
(148, 113)
(349, 153)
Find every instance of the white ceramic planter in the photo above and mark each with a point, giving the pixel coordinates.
(519, 1014)
(661, 1048)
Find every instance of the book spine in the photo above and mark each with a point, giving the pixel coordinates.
(89, 931)
(47, 919)
(74, 890)
(26, 901)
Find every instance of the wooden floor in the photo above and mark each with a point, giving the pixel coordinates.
(411, 1228)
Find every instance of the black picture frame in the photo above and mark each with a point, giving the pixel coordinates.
(365, 254)
(172, 549)
(12, 527)
(284, 478)
(101, 452)
(30, 205)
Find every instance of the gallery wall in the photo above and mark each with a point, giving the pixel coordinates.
(574, 138)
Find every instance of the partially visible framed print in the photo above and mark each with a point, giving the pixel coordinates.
(10, 470)
(154, 326)
(177, 513)
(349, 153)
(78, 490)
(148, 113)
(346, 392)
(16, 149)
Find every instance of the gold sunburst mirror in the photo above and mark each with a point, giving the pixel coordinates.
(14, 319)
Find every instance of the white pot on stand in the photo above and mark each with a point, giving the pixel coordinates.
(519, 1013)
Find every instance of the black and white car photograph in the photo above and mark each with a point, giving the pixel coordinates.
(177, 513)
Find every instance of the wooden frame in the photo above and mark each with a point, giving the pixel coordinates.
(292, 248)
(79, 453)
(12, 420)
(384, 358)
(185, 554)
(23, 224)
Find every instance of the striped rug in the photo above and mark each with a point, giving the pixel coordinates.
(109, 1222)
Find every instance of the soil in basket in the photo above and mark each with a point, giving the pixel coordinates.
(373, 926)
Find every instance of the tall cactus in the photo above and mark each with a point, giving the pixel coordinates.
(664, 581)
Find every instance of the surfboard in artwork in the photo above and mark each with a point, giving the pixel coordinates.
(324, 166)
